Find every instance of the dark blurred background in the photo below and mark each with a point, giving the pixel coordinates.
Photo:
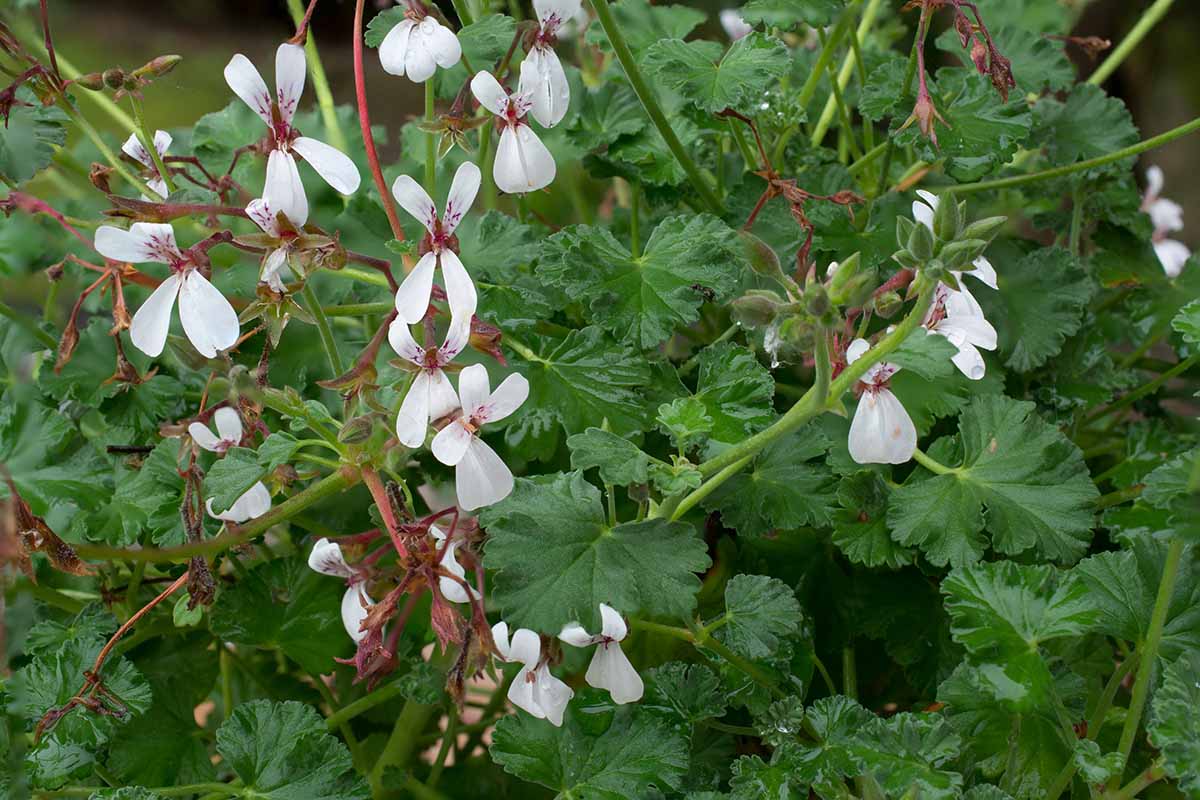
(1160, 82)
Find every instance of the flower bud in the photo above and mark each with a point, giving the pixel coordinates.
(356, 430)
(985, 228)
(159, 66)
(816, 300)
(920, 243)
(957, 255)
(757, 308)
(93, 81)
(963, 26)
(763, 259)
(904, 229)
(887, 304)
(114, 78)
(841, 273)
(979, 57)
(947, 220)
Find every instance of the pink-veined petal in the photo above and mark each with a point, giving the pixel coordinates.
(463, 189)
(334, 166)
(612, 623)
(481, 478)
(290, 69)
(355, 603)
(402, 341)
(162, 142)
(415, 200)
(229, 424)
(508, 397)
(284, 191)
(457, 336)
(260, 213)
(133, 148)
(460, 289)
(159, 187)
(610, 669)
(326, 558)
(474, 389)
(553, 13)
(144, 241)
(208, 319)
(151, 322)
(451, 443)
(393, 51)
(412, 298)
(245, 81)
(202, 436)
(549, 92)
(413, 419)
(574, 634)
(489, 93)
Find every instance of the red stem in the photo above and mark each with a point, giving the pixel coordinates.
(371, 478)
(49, 40)
(364, 123)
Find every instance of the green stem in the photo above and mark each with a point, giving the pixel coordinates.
(933, 466)
(1148, 20)
(147, 136)
(825, 676)
(708, 487)
(464, 14)
(1079, 166)
(430, 142)
(486, 159)
(822, 366)
(1075, 237)
(28, 325)
(327, 340)
(635, 241)
(326, 487)
(849, 673)
(844, 75)
(320, 82)
(439, 761)
(358, 309)
(1146, 389)
(1152, 774)
(650, 103)
(226, 790)
(103, 147)
(1149, 655)
(365, 704)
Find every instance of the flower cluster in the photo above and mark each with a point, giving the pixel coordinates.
(1167, 217)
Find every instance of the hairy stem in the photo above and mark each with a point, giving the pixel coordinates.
(327, 340)
(147, 138)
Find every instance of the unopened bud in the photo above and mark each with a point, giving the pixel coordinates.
(93, 81)
(964, 28)
(159, 66)
(925, 114)
(756, 308)
(887, 304)
(762, 257)
(920, 243)
(985, 228)
(957, 255)
(979, 57)
(1000, 71)
(356, 430)
(947, 220)
(840, 274)
(114, 78)
(816, 300)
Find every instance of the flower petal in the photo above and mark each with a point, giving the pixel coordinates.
(327, 558)
(521, 693)
(500, 638)
(284, 191)
(273, 267)
(413, 419)
(451, 589)
(457, 336)
(451, 443)
(612, 623)
(474, 389)
(969, 361)
(229, 424)
(151, 322)
(489, 93)
(402, 341)
(393, 50)
(508, 397)
(415, 200)
(202, 436)
(523, 164)
(553, 13)
(610, 669)
(1154, 181)
(208, 319)
(460, 289)
(290, 69)
(463, 189)
(355, 603)
(162, 142)
(552, 695)
(144, 241)
(856, 350)
(526, 648)
(1172, 255)
(443, 45)
(574, 634)
(881, 432)
(548, 91)
(334, 166)
(1166, 215)
(481, 478)
(984, 272)
(254, 503)
(442, 397)
(243, 78)
(420, 62)
(133, 148)
(412, 298)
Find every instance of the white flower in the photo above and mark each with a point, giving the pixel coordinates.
(923, 213)
(431, 396)
(451, 589)
(547, 82)
(355, 604)
(208, 319)
(610, 668)
(134, 149)
(251, 505)
(882, 432)
(326, 558)
(480, 477)
(278, 198)
(412, 298)
(523, 164)
(535, 689)
(1167, 217)
(958, 317)
(229, 431)
(278, 111)
(417, 47)
(735, 27)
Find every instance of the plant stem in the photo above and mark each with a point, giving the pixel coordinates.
(1151, 774)
(365, 704)
(326, 487)
(930, 464)
(147, 138)
(708, 487)
(844, 74)
(650, 103)
(1145, 389)
(683, 634)
(1149, 654)
(405, 737)
(364, 124)
(635, 241)
(849, 673)
(1148, 20)
(320, 81)
(103, 147)
(430, 143)
(226, 789)
(1074, 240)
(1079, 166)
(28, 325)
(327, 340)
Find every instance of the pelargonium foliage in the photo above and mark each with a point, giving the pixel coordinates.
(797, 401)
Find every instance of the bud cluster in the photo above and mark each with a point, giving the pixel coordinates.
(949, 248)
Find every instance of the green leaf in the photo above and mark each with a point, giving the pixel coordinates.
(860, 526)
(691, 691)
(1042, 298)
(837, 722)
(281, 751)
(1088, 124)
(643, 24)
(760, 612)
(1174, 727)
(277, 450)
(217, 134)
(483, 42)
(620, 461)
(787, 14)
(93, 624)
(1187, 322)
(380, 25)
(926, 354)
(631, 756)
(905, 753)
(686, 421)
(584, 378)
(752, 64)
(1030, 478)
(753, 779)
(1094, 766)
(231, 477)
(883, 95)
(644, 299)
(605, 115)
(285, 604)
(31, 135)
(555, 559)
(736, 390)
(645, 158)
(785, 488)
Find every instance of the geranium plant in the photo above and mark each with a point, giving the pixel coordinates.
(797, 402)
